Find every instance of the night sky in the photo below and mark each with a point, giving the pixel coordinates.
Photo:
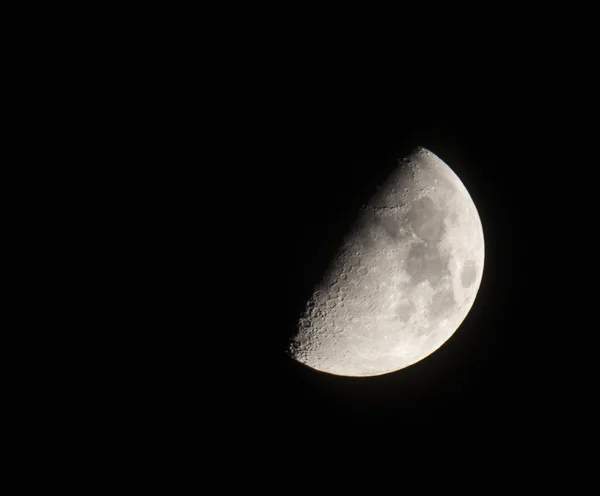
(486, 375)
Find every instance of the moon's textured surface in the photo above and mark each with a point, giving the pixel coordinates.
(404, 279)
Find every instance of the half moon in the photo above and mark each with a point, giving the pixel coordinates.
(404, 279)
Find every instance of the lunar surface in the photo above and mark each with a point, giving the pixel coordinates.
(403, 280)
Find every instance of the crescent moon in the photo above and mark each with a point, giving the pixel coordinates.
(404, 279)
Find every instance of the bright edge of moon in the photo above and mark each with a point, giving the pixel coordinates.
(403, 280)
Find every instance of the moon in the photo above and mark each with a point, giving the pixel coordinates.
(404, 279)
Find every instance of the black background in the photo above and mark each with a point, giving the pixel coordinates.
(326, 165)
